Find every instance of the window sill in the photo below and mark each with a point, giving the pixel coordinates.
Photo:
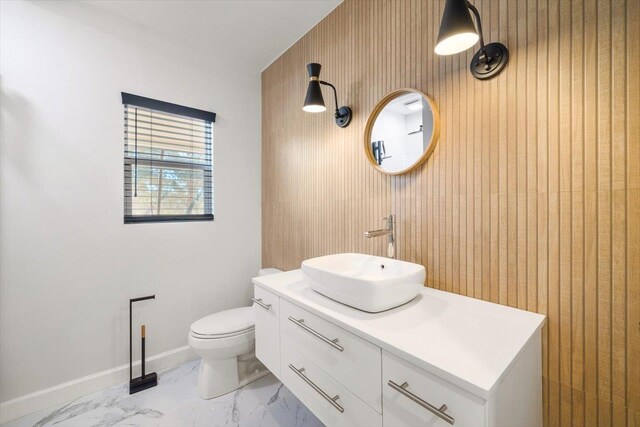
(166, 218)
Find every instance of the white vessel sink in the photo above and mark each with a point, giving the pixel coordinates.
(365, 282)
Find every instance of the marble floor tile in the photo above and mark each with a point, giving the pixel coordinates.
(175, 403)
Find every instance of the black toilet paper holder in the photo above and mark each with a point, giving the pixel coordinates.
(144, 381)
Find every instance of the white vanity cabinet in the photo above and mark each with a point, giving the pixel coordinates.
(440, 360)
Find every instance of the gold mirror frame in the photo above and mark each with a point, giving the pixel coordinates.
(374, 115)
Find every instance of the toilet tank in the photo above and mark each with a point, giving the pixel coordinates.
(268, 271)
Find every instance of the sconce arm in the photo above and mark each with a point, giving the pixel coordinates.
(478, 23)
(335, 96)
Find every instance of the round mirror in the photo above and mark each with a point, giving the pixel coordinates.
(402, 131)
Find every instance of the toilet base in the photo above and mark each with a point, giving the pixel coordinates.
(218, 377)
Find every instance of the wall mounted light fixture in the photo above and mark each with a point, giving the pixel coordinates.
(314, 102)
(458, 33)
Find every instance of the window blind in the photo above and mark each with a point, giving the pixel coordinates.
(168, 161)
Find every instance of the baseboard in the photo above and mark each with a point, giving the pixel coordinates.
(71, 390)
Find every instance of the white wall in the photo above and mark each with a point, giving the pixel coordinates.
(401, 148)
(68, 265)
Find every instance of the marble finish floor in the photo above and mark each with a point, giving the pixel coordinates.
(175, 403)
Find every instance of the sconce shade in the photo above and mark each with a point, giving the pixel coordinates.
(457, 31)
(314, 102)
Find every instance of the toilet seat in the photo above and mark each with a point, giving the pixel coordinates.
(223, 348)
(220, 336)
(224, 324)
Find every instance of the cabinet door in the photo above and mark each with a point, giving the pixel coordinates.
(267, 308)
(352, 361)
(327, 398)
(421, 390)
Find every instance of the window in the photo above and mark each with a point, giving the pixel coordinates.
(168, 161)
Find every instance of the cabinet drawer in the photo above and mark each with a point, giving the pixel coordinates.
(348, 359)
(267, 329)
(316, 390)
(405, 409)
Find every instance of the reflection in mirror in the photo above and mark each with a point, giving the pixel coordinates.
(402, 132)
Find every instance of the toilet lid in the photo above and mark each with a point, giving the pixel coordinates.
(225, 322)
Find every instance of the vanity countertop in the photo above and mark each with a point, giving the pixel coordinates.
(469, 342)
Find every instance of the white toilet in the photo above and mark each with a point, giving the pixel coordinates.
(226, 343)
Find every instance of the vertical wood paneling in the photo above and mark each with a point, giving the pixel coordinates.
(530, 199)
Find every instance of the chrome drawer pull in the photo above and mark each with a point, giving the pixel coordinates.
(333, 343)
(261, 304)
(321, 392)
(402, 389)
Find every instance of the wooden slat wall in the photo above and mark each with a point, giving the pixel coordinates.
(531, 198)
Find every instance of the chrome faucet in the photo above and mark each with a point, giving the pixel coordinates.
(389, 231)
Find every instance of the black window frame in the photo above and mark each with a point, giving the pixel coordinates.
(185, 112)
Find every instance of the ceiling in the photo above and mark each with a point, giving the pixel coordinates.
(399, 105)
(249, 32)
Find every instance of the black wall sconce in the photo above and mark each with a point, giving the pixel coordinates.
(314, 102)
(457, 33)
